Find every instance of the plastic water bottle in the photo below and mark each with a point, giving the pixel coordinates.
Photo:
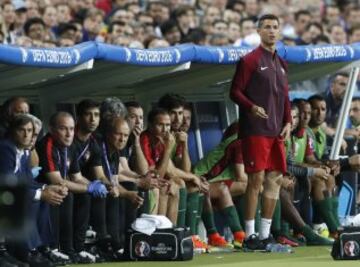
(278, 248)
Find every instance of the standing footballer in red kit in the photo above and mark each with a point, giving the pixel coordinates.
(260, 88)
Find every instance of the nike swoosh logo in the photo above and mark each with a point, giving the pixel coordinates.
(296, 201)
(263, 68)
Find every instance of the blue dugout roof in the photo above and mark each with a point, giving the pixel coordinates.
(94, 69)
(69, 57)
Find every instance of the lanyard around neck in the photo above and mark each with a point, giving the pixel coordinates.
(109, 173)
(83, 151)
(63, 161)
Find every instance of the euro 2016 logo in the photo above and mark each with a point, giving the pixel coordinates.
(142, 249)
(351, 248)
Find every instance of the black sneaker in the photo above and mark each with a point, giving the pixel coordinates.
(36, 259)
(103, 251)
(8, 259)
(99, 255)
(252, 243)
(119, 255)
(266, 242)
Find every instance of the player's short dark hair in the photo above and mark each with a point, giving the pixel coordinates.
(18, 121)
(132, 104)
(314, 98)
(267, 17)
(171, 101)
(156, 112)
(356, 98)
(85, 105)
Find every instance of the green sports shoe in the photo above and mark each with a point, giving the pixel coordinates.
(318, 240)
(314, 239)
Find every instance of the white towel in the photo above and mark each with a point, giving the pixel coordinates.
(147, 224)
(162, 222)
(144, 226)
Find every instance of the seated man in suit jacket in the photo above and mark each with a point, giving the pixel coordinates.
(14, 164)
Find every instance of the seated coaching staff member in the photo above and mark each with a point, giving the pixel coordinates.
(59, 166)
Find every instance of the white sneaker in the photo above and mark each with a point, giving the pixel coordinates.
(59, 254)
(85, 254)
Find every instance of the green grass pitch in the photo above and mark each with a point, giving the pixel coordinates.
(302, 257)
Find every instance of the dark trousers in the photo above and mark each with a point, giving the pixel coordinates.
(81, 219)
(127, 211)
(98, 217)
(105, 220)
(44, 225)
(30, 240)
(62, 222)
(302, 202)
(113, 221)
(113, 216)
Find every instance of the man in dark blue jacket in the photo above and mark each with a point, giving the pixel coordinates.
(14, 164)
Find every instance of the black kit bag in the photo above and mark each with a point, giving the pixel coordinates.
(347, 245)
(162, 245)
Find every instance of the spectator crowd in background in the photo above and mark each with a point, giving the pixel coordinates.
(160, 23)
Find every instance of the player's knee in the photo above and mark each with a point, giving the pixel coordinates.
(272, 186)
